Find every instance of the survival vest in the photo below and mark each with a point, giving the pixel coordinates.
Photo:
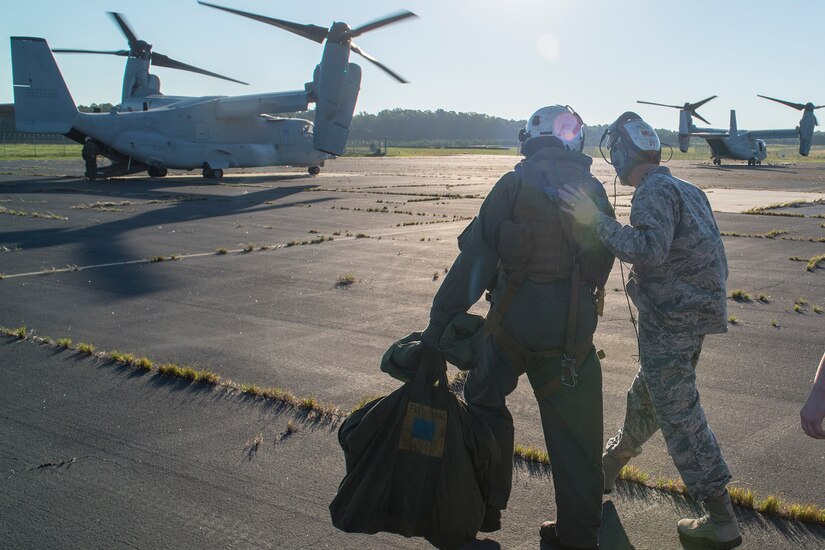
(533, 241)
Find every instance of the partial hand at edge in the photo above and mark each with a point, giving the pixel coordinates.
(813, 413)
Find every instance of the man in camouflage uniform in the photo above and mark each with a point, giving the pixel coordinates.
(678, 285)
(523, 245)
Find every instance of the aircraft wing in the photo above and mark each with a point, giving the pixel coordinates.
(773, 134)
(256, 104)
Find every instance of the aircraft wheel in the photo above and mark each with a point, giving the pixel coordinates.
(208, 173)
(759, 162)
(314, 170)
(217, 173)
(157, 172)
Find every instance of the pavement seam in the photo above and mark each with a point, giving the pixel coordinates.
(529, 456)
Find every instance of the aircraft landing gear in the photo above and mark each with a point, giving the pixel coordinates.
(157, 172)
(717, 161)
(314, 170)
(210, 173)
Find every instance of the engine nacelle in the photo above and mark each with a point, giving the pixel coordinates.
(684, 143)
(685, 124)
(336, 85)
(806, 132)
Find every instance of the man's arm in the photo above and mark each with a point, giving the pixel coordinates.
(653, 219)
(476, 264)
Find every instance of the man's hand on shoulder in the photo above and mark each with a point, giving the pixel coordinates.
(578, 205)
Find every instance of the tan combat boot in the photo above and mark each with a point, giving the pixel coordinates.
(611, 467)
(716, 529)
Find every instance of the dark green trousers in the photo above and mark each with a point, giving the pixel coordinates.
(573, 431)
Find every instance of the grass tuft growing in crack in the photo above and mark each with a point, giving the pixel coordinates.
(813, 263)
(741, 497)
(769, 505)
(20, 332)
(344, 281)
(531, 454)
(85, 348)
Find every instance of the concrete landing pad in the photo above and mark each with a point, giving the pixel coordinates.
(225, 277)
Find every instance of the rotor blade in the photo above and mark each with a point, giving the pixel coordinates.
(120, 20)
(659, 104)
(122, 53)
(797, 106)
(160, 60)
(694, 106)
(380, 65)
(390, 19)
(819, 106)
(700, 117)
(312, 32)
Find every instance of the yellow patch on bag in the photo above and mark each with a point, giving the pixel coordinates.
(424, 430)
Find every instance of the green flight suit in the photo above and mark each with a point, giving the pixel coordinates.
(492, 248)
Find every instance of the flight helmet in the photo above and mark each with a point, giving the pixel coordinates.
(555, 125)
(631, 142)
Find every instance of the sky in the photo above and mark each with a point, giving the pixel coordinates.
(504, 58)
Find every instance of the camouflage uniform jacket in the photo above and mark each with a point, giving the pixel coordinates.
(477, 266)
(679, 265)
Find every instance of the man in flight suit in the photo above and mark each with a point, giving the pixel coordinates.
(678, 285)
(547, 281)
(89, 153)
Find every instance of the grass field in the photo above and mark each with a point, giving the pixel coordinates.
(24, 151)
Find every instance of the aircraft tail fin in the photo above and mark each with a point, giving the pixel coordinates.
(734, 130)
(42, 102)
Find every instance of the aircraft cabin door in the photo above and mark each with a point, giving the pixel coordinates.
(201, 131)
(287, 137)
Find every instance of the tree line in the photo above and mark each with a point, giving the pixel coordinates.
(424, 128)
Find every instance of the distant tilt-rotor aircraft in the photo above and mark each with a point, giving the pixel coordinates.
(208, 133)
(738, 144)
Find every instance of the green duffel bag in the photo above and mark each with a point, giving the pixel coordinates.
(417, 462)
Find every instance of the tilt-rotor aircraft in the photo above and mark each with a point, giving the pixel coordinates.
(738, 144)
(208, 133)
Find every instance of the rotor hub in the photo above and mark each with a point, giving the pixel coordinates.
(141, 49)
(339, 32)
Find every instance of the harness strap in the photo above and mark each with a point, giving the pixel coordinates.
(572, 311)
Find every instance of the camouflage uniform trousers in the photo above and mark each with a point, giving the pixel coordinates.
(664, 396)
